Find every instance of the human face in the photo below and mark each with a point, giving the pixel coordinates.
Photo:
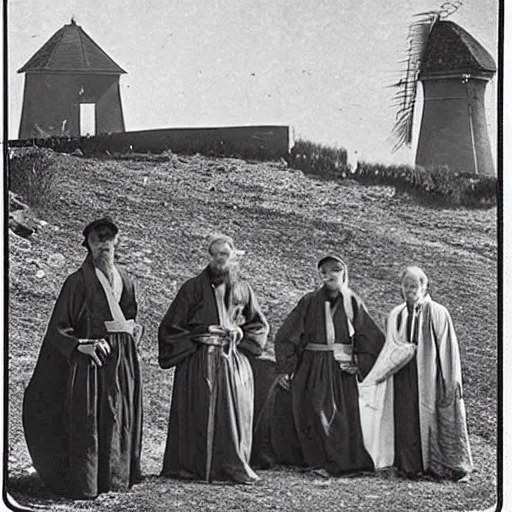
(332, 274)
(412, 289)
(102, 241)
(220, 256)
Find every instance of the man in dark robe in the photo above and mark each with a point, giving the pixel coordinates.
(211, 325)
(82, 409)
(325, 344)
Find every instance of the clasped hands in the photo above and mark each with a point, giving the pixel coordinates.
(97, 350)
(285, 380)
(348, 367)
(235, 335)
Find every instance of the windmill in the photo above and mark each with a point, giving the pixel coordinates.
(454, 69)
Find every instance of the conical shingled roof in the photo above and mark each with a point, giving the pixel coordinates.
(450, 48)
(71, 49)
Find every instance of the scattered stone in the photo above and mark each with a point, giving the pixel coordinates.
(20, 228)
(40, 274)
(77, 152)
(19, 243)
(56, 260)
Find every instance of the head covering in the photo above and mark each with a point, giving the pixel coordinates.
(335, 257)
(104, 221)
(220, 238)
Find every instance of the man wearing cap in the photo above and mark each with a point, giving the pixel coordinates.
(324, 346)
(82, 410)
(209, 328)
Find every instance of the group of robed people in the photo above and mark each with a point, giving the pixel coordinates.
(347, 398)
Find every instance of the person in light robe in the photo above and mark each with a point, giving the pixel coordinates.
(412, 400)
(211, 327)
(82, 409)
(325, 346)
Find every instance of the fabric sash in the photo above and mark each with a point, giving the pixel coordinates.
(376, 398)
(224, 316)
(349, 310)
(211, 339)
(330, 334)
(119, 324)
(212, 372)
(342, 352)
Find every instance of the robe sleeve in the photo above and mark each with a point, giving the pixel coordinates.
(288, 338)
(449, 357)
(368, 338)
(131, 307)
(174, 335)
(61, 332)
(255, 328)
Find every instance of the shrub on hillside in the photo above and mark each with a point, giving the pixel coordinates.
(31, 175)
(437, 182)
(317, 159)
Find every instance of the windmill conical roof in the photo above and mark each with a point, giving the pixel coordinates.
(451, 48)
(71, 49)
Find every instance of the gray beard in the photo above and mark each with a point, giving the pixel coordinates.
(105, 262)
(226, 275)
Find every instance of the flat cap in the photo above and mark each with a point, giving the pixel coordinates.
(104, 221)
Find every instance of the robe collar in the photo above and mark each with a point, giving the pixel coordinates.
(95, 299)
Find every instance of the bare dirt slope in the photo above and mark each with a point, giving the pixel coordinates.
(283, 221)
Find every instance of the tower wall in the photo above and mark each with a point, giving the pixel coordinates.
(51, 104)
(453, 129)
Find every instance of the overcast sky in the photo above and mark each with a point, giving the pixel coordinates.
(320, 66)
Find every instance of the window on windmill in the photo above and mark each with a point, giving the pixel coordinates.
(87, 119)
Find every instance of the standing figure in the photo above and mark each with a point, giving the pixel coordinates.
(429, 414)
(82, 410)
(326, 343)
(211, 325)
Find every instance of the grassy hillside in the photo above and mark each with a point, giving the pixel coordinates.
(283, 221)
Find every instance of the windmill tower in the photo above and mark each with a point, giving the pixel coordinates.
(71, 88)
(454, 70)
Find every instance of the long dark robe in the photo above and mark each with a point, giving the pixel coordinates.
(210, 383)
(317, 423)
(83, 424)
(406, 405)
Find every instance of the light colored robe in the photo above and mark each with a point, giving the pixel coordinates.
(444, 437)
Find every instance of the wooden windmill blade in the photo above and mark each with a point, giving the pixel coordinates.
(405, 97)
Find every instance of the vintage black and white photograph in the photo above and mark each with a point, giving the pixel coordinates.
(252, 255)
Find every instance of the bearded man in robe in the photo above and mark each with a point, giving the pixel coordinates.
(430, 432)
(82, 409)
(210, 328)
(326, 344)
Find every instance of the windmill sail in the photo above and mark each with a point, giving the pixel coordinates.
(405, 97)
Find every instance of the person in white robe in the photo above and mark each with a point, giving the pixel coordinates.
(413, 415)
